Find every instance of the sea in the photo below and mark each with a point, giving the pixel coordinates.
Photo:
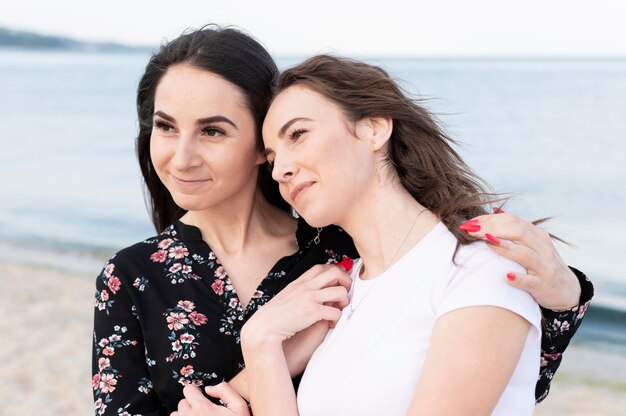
(552, 132)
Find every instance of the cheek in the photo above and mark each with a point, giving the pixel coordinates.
(233, 165)
(282, 188)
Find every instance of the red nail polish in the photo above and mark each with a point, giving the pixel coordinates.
(510, 276)
(346, 263)
(492, 239)
(498, 210)
(469, 227)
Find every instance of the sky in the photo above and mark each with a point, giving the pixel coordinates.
(380, 28)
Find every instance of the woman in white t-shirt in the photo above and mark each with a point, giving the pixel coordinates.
(432, 327)
(429, 326)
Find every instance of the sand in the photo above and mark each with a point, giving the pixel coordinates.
(45, 351)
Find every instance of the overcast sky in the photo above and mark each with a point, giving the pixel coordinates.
(383, 27)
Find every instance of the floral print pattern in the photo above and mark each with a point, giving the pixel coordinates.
(558, 329)
(176, 260)
(183, 321)
(167, 315)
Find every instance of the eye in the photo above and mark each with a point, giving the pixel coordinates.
(270, 165)
(213, 131)
(296, 134)
(162, 125)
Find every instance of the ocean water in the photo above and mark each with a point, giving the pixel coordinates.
(551, 131)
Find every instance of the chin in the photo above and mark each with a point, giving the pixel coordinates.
(315, 219)
(190, 203)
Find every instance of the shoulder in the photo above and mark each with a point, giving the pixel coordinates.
(143, 254)
(477, 277)
(477, 257)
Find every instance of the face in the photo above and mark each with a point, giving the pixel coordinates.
(322, 168)
(203, 140)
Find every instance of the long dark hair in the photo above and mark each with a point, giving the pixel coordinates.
(419, 151)
(234, 56)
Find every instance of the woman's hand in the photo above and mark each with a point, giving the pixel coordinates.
(318, 295)
(549, 280)
(195, 404)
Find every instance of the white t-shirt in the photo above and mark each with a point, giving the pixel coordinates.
(370, 364)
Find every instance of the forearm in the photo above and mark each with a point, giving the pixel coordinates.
(296, 353)
(269, 383)
(240, 384)
(559, 329)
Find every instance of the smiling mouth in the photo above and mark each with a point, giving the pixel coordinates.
(298, 190)
(188, 182)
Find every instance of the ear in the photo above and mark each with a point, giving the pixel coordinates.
(261, 158)
(376, 130)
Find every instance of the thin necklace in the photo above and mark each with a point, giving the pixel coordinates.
(354, 307)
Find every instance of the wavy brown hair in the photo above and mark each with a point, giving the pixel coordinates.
(419, 151)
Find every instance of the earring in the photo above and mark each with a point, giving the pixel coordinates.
(316, 240)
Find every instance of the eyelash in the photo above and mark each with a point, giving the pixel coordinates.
(161, 125)
(298, 132)
(208, 130)
(166, 127)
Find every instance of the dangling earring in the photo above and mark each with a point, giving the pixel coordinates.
(316, 240)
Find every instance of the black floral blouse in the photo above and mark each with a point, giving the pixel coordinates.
(167, 315)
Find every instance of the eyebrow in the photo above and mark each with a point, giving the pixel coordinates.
(283, 129)
(206, 120)
(288, 124)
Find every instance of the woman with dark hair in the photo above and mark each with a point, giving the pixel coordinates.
(169, 310)
(430, 328)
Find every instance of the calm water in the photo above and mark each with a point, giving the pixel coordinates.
(553, 131)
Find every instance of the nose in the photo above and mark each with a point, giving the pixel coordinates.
(186, 154)
(284, 168)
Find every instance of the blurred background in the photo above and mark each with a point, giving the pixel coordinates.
(535, 92)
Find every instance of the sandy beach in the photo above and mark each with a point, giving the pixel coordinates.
(46, 350)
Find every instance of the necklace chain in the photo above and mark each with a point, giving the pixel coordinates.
(352, 306)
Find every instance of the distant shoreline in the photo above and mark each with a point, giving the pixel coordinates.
(298, 58)
(20, 40)
(23, 40)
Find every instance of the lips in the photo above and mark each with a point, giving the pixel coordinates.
(299, 189)
(188, 182)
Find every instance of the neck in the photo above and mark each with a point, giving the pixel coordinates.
(231, 228)
(386, 226)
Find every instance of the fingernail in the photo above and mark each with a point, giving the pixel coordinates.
(492, 239)
(346, 264)
(470, 226)
(510, 276)
(498, 210)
